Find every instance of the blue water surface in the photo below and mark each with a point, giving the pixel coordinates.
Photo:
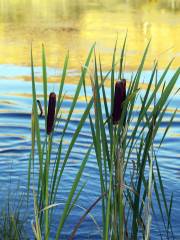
(15, 147)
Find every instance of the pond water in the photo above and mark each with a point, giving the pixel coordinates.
(75, 25)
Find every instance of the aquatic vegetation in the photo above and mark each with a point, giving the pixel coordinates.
(51, 172)
(126, 157)
(12, 220)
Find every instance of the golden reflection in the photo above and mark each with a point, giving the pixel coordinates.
(76, 24)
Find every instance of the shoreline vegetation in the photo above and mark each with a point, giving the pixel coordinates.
(129, 186)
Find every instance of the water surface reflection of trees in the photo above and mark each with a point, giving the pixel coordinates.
(18, 10)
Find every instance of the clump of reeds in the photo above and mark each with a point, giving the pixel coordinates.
(13, 221)
(50, 173)
(126, 185)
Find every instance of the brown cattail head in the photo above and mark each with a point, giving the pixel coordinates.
(119, 97)
(51, 112)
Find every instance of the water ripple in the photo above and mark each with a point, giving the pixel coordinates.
(15, 147)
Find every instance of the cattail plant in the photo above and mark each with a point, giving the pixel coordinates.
(119, 97)
(51, 112)
(125, 152)
(50, 172)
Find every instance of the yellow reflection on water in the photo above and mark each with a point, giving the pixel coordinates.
(76, 24)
